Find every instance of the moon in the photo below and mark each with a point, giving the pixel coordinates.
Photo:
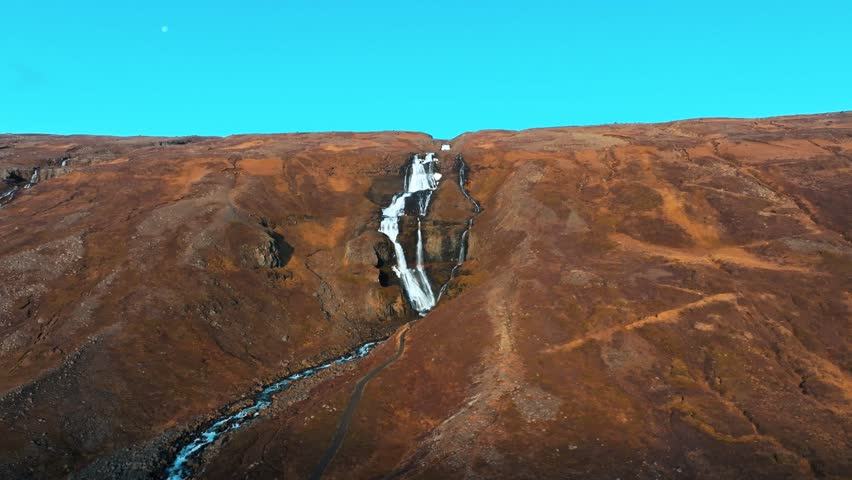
(164, 28)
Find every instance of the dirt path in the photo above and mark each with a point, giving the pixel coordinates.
(349, 412)
(671, 315)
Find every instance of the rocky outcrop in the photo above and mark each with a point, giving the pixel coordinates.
(269, 251)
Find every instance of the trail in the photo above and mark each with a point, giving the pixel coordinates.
(667, 316)
(349, 412)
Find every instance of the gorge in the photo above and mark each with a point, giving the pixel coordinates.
(420, 181)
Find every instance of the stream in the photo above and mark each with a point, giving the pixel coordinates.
(421, 180)
(180, 469)
(462, 256)
(8, 195)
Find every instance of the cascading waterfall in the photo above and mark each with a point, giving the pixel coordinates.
(421, 180)
(33, 178)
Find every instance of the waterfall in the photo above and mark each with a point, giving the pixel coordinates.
(421, 180)
(33, 179)
(8, 195)
(462, 256)
(462, 176)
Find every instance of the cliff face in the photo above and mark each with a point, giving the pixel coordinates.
(637, 301)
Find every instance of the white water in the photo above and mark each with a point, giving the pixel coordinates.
(7, 196)
(420, 181)
(33, 179)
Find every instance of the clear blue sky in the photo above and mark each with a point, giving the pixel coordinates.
(441, 67)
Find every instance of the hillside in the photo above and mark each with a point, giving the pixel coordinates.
(622, 301)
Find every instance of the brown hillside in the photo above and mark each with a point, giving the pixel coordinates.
(639, 301)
